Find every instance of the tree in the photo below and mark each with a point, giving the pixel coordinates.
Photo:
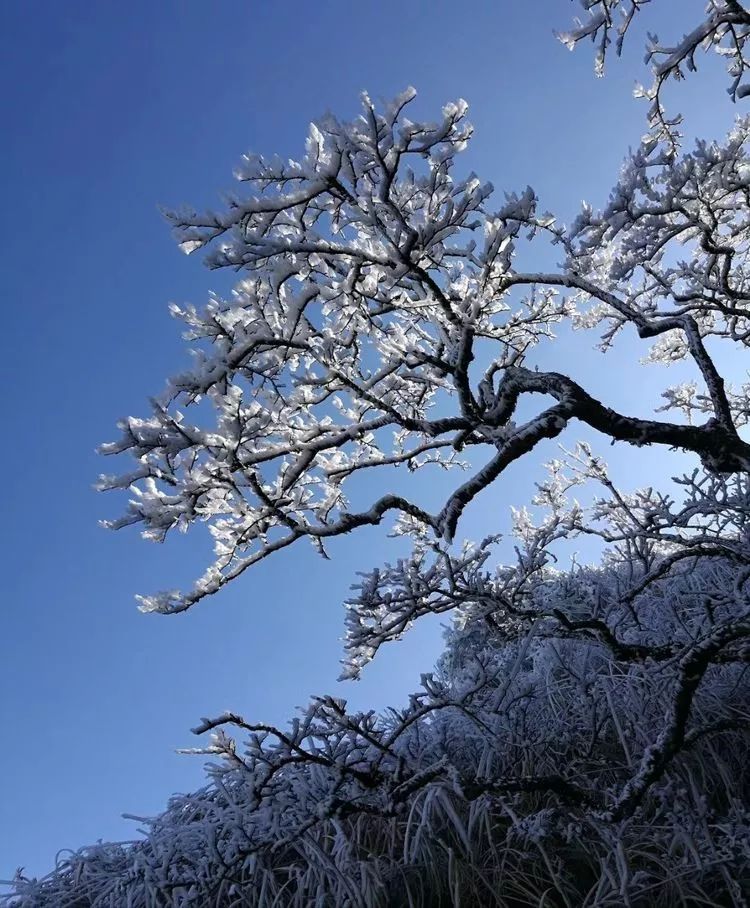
(383, 319)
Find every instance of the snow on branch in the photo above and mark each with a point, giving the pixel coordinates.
(725, 30)
(375, 281)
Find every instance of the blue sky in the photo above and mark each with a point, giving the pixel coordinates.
(107, 114)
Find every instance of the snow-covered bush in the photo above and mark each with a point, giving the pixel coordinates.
(584, 738)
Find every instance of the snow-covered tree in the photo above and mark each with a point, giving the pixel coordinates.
(585, 733)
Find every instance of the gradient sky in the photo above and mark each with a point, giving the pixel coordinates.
(109, 110)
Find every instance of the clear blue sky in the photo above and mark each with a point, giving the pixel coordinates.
(109, 110)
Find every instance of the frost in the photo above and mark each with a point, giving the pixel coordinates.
(584, 722)
(189, 246)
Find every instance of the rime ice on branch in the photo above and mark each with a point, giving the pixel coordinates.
(724, 30)
(574, 716)
(371, 276)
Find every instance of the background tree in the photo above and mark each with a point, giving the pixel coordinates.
(385, 317)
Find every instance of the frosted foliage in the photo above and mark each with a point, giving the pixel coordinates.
(584, 734)
(583, 740)
(353, 343)
(724, 30)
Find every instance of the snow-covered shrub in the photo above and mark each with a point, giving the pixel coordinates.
(583, 739)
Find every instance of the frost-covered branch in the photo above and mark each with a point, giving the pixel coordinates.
(377, 284)
(523, 750)
(725, 30)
